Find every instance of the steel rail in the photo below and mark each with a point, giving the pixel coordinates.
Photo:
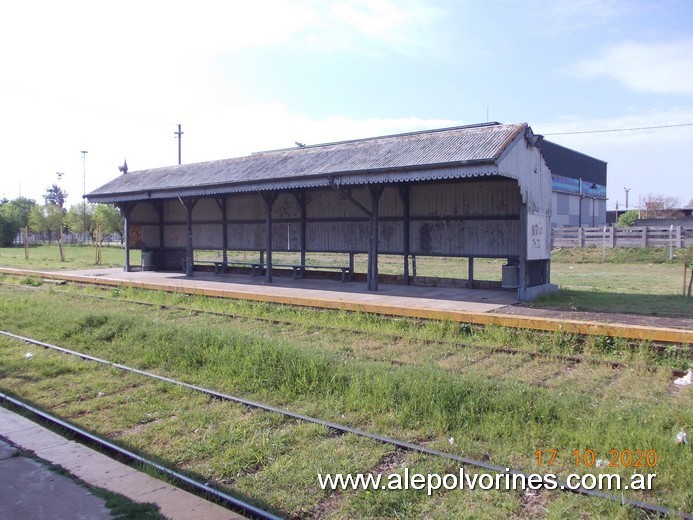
(236, 503)
(498, 350)
(407, 446)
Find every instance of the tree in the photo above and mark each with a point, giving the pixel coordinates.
(9, 223)
(627, 219)
(661, 206)
(55, 196)
(23, 206)
(14, 215)
(110, 220)
(77, 215)
(50, 219)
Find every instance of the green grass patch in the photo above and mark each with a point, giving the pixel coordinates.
(617, 255)
(47, 257)
(494, 417)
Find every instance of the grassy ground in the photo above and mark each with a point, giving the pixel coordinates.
(499, 408)
(76, 257)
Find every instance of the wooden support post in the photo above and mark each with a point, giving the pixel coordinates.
(268, 199)
(375, 192)
(644, 236)
(404, 195)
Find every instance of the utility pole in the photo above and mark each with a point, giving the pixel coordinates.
(178, 135)
(84, 192)
(626, 190)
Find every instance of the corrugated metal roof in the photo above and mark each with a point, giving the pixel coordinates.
(464, 150)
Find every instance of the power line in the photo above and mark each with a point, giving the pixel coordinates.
(622, 129)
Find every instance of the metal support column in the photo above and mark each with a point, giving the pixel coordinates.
(189, 204)
(470, 272)
(159, 207)
(221, 202)
(125, 210)
(404, 195)
(301, 200)
(127, 243)
(523, 253)
(268, 199)
(375, 192)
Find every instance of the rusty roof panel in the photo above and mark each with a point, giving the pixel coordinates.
(312, 165)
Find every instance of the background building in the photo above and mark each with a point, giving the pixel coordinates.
(578, 184)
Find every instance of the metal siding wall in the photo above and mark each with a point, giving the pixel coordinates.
(150, 237)
(465, 238)
(337, 236)
(527, 164)
(175, 235)
(285, 207)
(329, 203)
(206, 209)
(279, 236)
(390, 203)
(472, 198)
(207, 236)
(391, 237)
(245, 207)
(246, 237)
(173, 212)
(459, 237)
(144, 213)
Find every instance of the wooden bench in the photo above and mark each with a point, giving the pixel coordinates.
(222, 267)
(258, 268)
(299, 271)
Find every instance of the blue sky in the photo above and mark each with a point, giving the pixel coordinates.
(115, 79)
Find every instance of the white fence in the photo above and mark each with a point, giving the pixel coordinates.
(607, 236)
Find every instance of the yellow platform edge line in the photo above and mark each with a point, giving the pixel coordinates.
(591, 328)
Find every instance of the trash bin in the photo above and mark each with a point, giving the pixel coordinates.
(510, 276)
(147, 260)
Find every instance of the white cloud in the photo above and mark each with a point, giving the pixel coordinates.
(657, 67)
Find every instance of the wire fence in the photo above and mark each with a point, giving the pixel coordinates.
(68, 238)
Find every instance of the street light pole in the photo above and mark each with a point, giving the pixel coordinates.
(84, 192)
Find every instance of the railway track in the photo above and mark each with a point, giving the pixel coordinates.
(569, 360)
(200, 488)
(331, 426)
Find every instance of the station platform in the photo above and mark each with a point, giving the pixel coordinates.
(30, 489)
(475, 306)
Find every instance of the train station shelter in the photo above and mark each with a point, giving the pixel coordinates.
(479, 191)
